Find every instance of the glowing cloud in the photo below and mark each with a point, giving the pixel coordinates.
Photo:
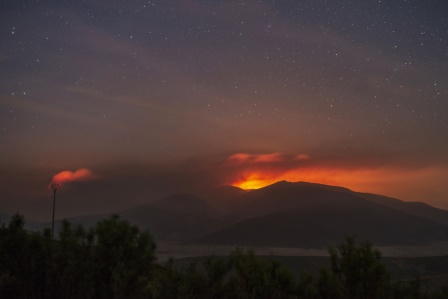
(243, 158)
(68, 176)
(302, 157)
(254, 171)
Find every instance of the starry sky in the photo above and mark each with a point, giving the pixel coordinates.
(143, 98)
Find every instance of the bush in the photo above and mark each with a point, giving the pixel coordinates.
(112, 260)
(116, 260)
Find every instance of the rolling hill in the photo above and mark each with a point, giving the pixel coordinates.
(175, 218)
(284, 214)
(179, 217)
(312, 215)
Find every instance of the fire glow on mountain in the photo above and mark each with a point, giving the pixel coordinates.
(254, 171)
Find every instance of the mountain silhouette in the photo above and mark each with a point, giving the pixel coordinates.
(175, 218)
(283, 214)
(313, 215)
(179, 217)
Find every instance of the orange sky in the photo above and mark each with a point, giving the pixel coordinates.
(259, 170)
(254, 171)
(68, 176)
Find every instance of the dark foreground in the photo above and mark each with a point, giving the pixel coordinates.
(116, 260)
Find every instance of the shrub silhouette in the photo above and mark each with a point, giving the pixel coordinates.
(112, 260)
(115, 259)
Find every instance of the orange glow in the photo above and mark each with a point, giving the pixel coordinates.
(254, 181)
(381, 180)
(261, 158)
(68, 176)
(253, 173)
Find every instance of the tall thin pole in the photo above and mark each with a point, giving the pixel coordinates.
(55, 188)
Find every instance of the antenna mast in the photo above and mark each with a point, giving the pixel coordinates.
(54, 187)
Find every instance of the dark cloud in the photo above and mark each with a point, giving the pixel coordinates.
(154, 97)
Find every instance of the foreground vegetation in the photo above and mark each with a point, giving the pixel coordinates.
(116, 260)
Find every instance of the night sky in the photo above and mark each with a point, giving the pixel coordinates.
(155, 97)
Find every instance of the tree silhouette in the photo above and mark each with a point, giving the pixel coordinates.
(114, 259)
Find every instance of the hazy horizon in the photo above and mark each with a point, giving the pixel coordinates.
(153, 98)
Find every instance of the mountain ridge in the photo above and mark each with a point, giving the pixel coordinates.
(291, 214)
(317, 215)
